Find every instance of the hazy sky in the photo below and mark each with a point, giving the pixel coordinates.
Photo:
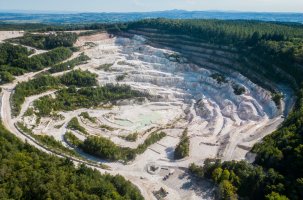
(152, 5)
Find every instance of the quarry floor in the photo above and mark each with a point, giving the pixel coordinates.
(220, 123)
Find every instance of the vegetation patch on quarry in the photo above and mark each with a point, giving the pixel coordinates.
(153, 98)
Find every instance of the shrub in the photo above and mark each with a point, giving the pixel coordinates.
(72, 139)
(73, 124)
(182, 149)
(87, 116)
(130, 137)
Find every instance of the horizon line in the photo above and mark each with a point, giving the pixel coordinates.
(18, 11)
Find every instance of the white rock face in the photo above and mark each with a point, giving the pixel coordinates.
(210, 109)
(183, 95)
(220, 123)
(153, 69)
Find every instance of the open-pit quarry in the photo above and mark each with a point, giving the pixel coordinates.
(224, 112)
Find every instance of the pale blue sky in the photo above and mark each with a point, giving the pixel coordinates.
(152, 5)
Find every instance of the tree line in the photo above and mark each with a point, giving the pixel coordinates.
(71, 98)
(15, 60)
(182, 149)
(68, 65)
(27, 173)
(106, 149)
(47, 40)
(44, 83)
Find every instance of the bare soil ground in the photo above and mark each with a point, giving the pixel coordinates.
(220, 123)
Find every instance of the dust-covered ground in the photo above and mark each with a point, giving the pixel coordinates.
(183, 95)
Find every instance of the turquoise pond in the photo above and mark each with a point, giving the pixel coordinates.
(140, 121)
